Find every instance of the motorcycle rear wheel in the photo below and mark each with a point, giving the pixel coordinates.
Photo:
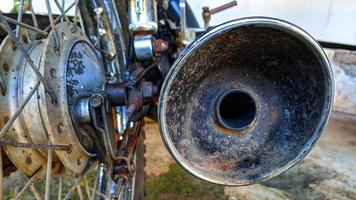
(56, 162)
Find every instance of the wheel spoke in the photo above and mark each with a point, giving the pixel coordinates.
(35, 146)
(48, 28)
(86, 185)
(28, 58)
(34, 18)
(29, 182)
(48, 172)
(77, 180)
(60, 182)
(19, 18)
(53, 25)
(63, 4)
(35, 192)
(95, 184)
(29, 27)
(18, 111)
(75, 24)
(98, 193)
(64, 16)
(80, 193)
(1, 175)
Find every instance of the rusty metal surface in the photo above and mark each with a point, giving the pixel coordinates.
(31, 115)
(223, 7)
(64, 70)
(74, 72)
(285, 72)
(85, 76)
(13, 62)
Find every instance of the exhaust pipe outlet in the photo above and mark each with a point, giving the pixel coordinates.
(246, 101)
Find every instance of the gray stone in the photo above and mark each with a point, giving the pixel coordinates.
(328, 172)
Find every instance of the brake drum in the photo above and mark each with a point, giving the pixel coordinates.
(73, 70)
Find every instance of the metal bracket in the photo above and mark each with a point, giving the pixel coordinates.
(101, 114)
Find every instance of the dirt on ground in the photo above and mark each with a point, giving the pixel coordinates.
(157, 157)
(328, 172)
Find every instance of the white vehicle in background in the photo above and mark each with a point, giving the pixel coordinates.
(326, 20)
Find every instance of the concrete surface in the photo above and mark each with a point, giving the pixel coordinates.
(344, 68)
(328, 172)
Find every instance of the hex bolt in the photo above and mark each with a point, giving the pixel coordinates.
(96, 101)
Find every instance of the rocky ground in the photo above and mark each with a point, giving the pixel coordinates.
(328, 172)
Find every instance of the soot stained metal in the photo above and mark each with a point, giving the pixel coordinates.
(282, 91)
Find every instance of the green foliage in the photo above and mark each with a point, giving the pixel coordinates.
(67, 183)
(15, 9)
(178, 184)
(9, 194)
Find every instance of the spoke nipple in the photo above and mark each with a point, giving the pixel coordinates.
(69, 150)
(98, 11)
(102, 32)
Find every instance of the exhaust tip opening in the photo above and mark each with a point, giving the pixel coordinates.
(236, 110)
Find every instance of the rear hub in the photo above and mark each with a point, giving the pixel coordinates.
(74, 71)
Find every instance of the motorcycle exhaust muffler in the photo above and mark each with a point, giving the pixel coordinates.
(246, 101)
